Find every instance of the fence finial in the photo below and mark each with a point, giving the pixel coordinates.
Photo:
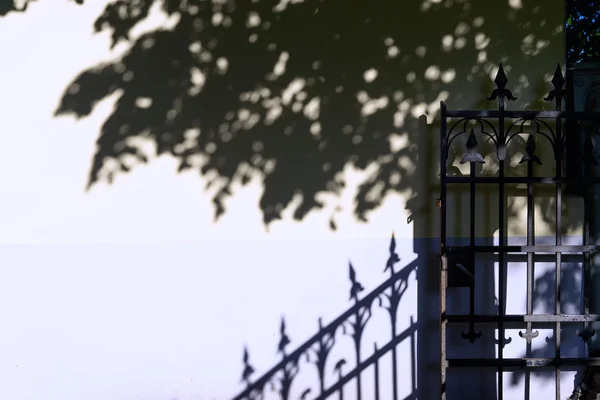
(530, 152)
(501, 92)
(558, 81)
(472, 155)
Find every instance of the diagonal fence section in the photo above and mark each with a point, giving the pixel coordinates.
(318, 350)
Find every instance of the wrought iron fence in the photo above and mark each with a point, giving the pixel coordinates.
(317, 349)
(570, 141)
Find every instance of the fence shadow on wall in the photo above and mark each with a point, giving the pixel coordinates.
(338, 374)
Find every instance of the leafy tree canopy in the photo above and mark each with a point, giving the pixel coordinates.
(583, 30)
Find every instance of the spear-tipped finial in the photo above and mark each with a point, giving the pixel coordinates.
(530, 152)
(472, 156)
(501, 92)
(501, 80)
(558, 81)
(471, 140)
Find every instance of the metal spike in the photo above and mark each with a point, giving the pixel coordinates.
(501, 79)
(530, 152)
(558, 93)
(472, 155)
(530, 146)
(471, 141)
(558, 80)
(501, 92)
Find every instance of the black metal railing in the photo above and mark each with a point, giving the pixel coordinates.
(318, 348)
(569, 141)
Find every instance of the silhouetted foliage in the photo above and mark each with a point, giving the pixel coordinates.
(583, 30)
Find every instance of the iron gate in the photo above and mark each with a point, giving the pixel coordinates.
(558, 133)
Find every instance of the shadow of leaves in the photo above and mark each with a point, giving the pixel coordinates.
(292, 93)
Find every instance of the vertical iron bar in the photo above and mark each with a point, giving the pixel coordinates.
(586, 241)
(472, 237)
(501, 234)
(472, 205)
(558, 152)
(530, 272)
(376, 373)
(443, 160)
(443, 259)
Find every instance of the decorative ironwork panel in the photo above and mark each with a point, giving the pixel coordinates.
(521, 132)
